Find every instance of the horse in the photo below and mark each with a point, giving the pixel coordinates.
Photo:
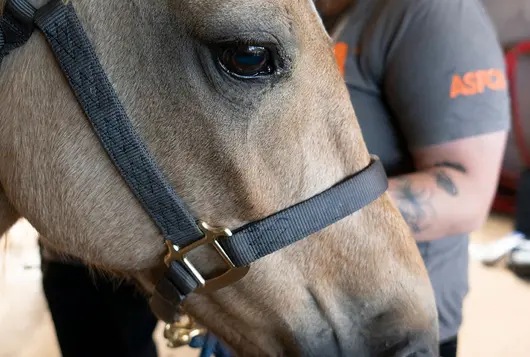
(242, 107)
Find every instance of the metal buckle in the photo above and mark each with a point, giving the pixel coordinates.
(211, 236)
(181, 332)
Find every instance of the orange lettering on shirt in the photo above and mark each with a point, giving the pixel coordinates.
(341, 53)
(470, 82)
(473, 83)
(499, 80)
(457, 86)
(482, 81)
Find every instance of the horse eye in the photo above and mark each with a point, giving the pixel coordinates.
(246, 61)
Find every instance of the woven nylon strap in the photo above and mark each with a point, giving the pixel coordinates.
(261, 238)
(79, 63)
(15, 26)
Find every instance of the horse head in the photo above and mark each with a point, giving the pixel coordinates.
(241, 105)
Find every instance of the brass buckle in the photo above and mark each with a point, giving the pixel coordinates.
(181, 332)
(211, 236)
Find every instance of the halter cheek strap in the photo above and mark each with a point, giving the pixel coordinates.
(182, 232)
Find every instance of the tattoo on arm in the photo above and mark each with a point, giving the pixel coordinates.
(444, 181)
(415, 201)
(414, 205)
(452, 165)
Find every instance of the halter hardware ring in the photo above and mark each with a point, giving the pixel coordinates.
(181, 332)
(211, 237)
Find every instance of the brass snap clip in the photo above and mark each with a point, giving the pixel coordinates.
(181, 332)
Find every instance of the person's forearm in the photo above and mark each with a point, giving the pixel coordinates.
(438, 202)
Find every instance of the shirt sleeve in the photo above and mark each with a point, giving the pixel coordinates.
(444, 76)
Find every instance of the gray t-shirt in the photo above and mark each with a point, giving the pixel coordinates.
(420, 73)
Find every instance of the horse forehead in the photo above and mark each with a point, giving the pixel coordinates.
(258, 9)
(219, 4)
(284, 19)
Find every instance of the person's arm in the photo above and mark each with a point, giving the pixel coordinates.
(452, 191)
(444, 83)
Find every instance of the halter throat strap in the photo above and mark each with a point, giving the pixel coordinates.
(181, 230)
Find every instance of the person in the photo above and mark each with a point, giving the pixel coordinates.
(93, 313)
(426, 79)
(427, 82)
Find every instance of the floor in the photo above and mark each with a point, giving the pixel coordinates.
(497, 308)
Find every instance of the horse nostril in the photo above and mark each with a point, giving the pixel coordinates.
(422, 353)
(410, 351)
(421, 348)
(416, 344)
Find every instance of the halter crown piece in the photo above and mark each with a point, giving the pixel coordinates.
(182, 232)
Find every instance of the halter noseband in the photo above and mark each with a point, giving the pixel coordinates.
(182, 232)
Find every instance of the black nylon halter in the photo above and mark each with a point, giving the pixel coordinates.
(182, 232)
